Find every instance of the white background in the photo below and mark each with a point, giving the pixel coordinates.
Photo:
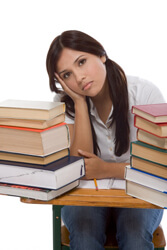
(133, 34)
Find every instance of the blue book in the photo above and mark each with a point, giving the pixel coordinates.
(146, 179)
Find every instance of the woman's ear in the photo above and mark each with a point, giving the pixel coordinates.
(103, 58)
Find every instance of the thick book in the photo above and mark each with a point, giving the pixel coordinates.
(146, 179)
(34, 141)
(33, 159)
(149, 166)
(63, 172)
(29, 123)
(149, 152)
(146, 137)
(25, 109)
(158, 129)
(147, 194)
(153, 112)
(35, 193)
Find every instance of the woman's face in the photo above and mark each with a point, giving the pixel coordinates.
(82, 72)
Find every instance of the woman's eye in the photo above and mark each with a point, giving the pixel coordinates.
(81, 62)
(66, 75)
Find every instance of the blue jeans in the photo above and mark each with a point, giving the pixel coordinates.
(88, 226)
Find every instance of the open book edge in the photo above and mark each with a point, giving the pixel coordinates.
(103, 184)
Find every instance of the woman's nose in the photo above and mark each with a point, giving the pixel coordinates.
(79, 77)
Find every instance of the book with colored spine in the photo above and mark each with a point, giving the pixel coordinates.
(35, 193)
(156, 113)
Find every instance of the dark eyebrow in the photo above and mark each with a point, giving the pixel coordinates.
(78, 58)
(74, 63)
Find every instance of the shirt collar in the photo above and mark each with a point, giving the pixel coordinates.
(94, 113)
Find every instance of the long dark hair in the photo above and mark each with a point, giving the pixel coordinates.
(80, 41)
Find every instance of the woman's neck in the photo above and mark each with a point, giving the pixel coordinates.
(103, 103)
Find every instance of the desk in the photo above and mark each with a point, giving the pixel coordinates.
(88, 197)
(100, 198)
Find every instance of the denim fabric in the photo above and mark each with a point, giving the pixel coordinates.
(88, 226)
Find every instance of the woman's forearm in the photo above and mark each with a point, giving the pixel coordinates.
(113, 170)
(81, 137)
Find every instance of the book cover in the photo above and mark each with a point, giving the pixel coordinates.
(158, 129)
(29, 123)
(148, 152)
(35, 193)
(33, 159)
(26, 109)
(149, 166)
(147, 194)
(34, 141)
(146, 179)
(54, 176)
(153, 112)
(146, 137)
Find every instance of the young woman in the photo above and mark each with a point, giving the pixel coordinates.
(99, 97)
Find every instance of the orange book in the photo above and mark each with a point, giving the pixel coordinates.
(34, 141)
(33, 123)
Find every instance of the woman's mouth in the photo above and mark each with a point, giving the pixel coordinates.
(87, 86)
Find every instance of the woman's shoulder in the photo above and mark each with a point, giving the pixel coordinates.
(57, 98)
(138, 83)
(142, 91)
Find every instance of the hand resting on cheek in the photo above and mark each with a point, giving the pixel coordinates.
(75, 96)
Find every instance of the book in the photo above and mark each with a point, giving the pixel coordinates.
(149, 152)
(149, 167)
(111, 183)
(160, 142)
(34, 141)
(30, 123)
(147, 194)
(50, 165)
(33, 159)
(26, 109)
(146, 179)
(35, 193)
(63, 172)
(158, 129)
(153, 112)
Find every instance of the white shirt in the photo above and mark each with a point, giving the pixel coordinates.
(140, 92)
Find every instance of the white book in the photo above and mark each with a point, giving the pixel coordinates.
(26, 109)
(146, 179)
(51, 176)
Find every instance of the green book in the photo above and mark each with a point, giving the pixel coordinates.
(149, 152)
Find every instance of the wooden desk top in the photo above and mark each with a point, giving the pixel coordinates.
(100, 198)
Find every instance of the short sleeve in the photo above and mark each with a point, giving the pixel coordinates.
(143, 92)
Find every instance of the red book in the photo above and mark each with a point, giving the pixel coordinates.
(156, 113)
(35, 193)
(158, 129)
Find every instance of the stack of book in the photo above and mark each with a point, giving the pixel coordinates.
(146, 177)
(34, 150)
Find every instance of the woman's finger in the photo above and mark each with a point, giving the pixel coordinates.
(85, 153)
